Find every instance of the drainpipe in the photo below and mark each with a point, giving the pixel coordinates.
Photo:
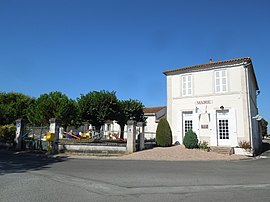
(248, 105)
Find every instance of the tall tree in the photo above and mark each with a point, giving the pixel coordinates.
(264, 125)
(98, 107)
(53, 105)
(129, 109)
(13, 106)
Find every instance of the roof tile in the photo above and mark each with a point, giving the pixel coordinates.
(211, 63)
(153, 109)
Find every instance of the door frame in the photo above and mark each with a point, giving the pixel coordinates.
(223, 115)
(186, 116)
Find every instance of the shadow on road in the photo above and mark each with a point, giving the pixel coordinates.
(265, 146)
(18, 162)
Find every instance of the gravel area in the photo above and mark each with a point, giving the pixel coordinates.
(174, 153)
(178, 153)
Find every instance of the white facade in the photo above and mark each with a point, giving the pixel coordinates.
(216, 100)
(152, 116)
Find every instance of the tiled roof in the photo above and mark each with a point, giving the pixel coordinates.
(222, 62)
(153, 109)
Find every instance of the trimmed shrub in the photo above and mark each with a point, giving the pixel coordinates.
(7, 133)
(163, 134)
(190, 140)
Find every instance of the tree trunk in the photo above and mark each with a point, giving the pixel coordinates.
(98, 126)
(122, 131)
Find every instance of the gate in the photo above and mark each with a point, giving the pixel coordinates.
(34, 138)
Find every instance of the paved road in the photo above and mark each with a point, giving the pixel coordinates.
(25, 177)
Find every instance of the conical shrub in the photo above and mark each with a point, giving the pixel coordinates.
(163, 134)
(190, 140)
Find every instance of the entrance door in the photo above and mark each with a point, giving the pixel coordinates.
(223, 128)
(187, 122)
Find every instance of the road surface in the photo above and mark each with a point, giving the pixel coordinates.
(25, 177)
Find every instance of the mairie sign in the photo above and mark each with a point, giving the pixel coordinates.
(204, 102)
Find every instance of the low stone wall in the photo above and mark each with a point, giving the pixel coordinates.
(93, 148)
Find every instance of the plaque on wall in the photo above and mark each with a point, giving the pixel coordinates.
(205, 126)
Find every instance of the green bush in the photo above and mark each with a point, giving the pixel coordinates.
(204, 145)
(7, 133)
(190, 140)
(163, 134)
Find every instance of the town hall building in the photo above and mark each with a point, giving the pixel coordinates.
(217, 100)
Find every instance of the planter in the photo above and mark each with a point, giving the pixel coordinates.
(242, 151)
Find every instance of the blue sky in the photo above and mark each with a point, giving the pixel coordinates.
(77, 46)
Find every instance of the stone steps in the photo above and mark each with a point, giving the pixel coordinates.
(222, 150)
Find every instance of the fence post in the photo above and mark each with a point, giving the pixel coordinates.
(141, 136)
(54, 128)
(20, 126)
(131, 136)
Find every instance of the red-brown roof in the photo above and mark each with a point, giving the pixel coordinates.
(153, 109)
(245, 59)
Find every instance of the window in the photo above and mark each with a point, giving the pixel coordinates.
(186, 85)
(188, 125)
(187, 121)
(221, 81)
(223, 129)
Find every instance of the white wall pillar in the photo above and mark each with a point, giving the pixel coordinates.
(213, 128)
(20, 126)
(54, 128)
(131, 136)
(141, 136)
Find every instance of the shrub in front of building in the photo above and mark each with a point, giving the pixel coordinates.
(190, 140)
(163, 134)
(7, 133)
(245, 145)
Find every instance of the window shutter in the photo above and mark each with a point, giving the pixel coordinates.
(232, 128)
(189, 85)
(213, 128)
(181, 135)
(195, 124)
(217, 81)
(224, 81)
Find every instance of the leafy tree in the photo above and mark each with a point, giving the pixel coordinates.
(129, 109)
(264, 125)
(98, 107)
(53, 105)
(163, 133)
(13, 106)
(7, 133)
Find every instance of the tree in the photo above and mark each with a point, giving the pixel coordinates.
(129, 109)
(163, 133)
(98, 107)
(53, 105)
(190, 140)
(13, 106)
(264, 125)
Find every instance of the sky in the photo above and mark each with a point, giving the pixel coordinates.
(78, 46)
